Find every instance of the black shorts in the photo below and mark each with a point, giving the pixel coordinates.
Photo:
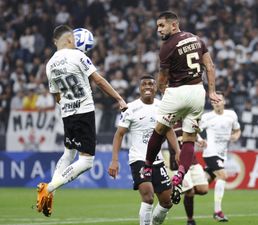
(214, 163)
(160, 178)
(80, 132)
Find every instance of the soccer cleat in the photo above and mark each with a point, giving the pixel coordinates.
(47, 208)
(44, 200)
(176, 194)
(190, 222)
(220, 217)
(177, 187)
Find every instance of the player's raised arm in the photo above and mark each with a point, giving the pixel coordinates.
(107, 88)
(210, 70)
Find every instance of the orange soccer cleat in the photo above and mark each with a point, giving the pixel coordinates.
(44, 200)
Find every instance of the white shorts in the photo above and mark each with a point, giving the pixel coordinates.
(194, 176)
(184, 102)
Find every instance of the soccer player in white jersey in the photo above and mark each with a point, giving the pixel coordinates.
(222, 127)
(69, 73)
(139, 120)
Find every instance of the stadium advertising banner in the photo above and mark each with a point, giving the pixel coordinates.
(27, 169)
(241, 168)
(33, 131)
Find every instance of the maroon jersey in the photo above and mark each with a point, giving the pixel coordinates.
(182, 55)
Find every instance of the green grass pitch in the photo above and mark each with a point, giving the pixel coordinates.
(117, 207)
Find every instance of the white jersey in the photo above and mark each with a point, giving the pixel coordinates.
(218, 129)
(68, 73)
(140, 119)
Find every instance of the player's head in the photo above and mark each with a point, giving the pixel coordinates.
(63, 37)
(167, 24)
(148, 89)
(218, 107)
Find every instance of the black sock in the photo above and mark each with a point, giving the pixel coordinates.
(189, 207)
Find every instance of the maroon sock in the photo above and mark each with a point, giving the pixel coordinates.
(189, 207)
(154, 146)
(186, 156)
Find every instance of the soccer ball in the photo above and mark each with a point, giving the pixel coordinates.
(84, 39)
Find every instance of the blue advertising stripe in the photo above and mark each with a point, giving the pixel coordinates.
(27, 169)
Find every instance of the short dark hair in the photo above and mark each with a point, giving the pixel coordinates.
(60, 30)
(147, 77)
(168, 15)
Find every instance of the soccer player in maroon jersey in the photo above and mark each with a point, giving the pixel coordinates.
(183, 57)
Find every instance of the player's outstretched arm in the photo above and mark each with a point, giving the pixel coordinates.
(117, 140)
(107, 88)
(210, 70)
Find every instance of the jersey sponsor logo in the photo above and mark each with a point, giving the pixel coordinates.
(72, 105)
(186, 41)
(146, 135)
(59, 71)
(58, 63)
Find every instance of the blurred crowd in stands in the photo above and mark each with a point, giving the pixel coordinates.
(126, 47)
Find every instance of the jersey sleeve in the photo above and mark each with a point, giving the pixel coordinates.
(236, 124)
(203, 122)
(85, 64)
(204, 48)
(53, 88)
(125, 119)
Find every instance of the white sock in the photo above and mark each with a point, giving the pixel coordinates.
(145, 213)
(65, 160)
(218, 194)
(71, 172)
(159, 214)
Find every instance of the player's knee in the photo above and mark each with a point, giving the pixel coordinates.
(221, 175)
(201, 189)
(190, 193)
(148, 198)
(69, 154)
(86, 162)
(161, 129)
(166, 204)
